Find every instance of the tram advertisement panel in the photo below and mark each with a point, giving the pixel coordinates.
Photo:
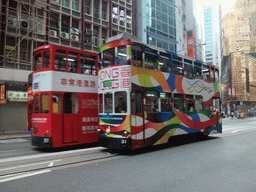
(59, 81)
(116, 77)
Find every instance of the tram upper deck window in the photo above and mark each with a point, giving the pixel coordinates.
(165, 62)
(122, 55)
(108, 57)
(137, 56)
(151, 59)
(72, 61)
(46, 59)
(206, 73)
(177, 65)
(38, 61)
(188, 68)
(120, 102)
(197, 70)
(216, 75)
(60, 60)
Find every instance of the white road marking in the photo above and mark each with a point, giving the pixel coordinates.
(46, 162)
(13, 140)
(28, 174)
(49, 154)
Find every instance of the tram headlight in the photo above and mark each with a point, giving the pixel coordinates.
(35, 129)
(99, 130)
(108, 130)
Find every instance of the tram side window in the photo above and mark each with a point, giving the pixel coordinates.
(108, 57)
(101, 103)
(56, 103)
(164, 63)
(36, 105)
(108, 103)
(38, 61)
(120, 102)
(151, 105)
(189, 103)
(178, 102)
(60, 62)
(212, 74)
(122, 55)
(46, 59)
(216, 105)
(188, 68)
(197, 70)
(177, 65)
(206, 73)
(216, 75)
(88, 64)
(136, 56)
(151, 59)
(45, 103)
(199, 103)
(165, 102)
(72, 62)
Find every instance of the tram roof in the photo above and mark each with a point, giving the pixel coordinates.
(123, 36)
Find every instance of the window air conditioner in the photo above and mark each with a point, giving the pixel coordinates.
(88, 31)
(64, 35)
(24, 24)
(75, 37)
(53, 33)
(12, 22)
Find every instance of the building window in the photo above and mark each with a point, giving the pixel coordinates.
(65, 3)
(75, 4)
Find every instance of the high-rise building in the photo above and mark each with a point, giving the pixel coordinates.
(156, 23)
(211, 37)
(28, 24)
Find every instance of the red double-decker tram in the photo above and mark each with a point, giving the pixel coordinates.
(65, 97)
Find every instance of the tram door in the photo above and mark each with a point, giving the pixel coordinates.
(137, 118)
(70, 117)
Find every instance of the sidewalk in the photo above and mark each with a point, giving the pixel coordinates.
(14, 135)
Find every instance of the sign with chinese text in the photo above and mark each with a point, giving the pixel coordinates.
(117, 77)
(62, 81)
(17, 96)
(190, 44)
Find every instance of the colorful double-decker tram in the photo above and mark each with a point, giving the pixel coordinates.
(65, 97)
(148, 95)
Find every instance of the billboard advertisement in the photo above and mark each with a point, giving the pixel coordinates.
(190, 44)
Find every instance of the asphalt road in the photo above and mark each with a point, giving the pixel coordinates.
(221, 163)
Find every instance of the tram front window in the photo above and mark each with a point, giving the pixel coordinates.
(120, 102)
(108, 103)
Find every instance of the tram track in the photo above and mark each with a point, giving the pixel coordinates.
(11, 168)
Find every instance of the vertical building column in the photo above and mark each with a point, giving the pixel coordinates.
(3, 5)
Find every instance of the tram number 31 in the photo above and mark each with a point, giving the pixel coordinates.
(123, 142)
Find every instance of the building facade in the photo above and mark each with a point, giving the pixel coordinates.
(28, 24)
(211, 36)
(156, 23)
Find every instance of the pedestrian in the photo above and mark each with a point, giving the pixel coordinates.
(232, 114)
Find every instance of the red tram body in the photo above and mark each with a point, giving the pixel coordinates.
(65, 97)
